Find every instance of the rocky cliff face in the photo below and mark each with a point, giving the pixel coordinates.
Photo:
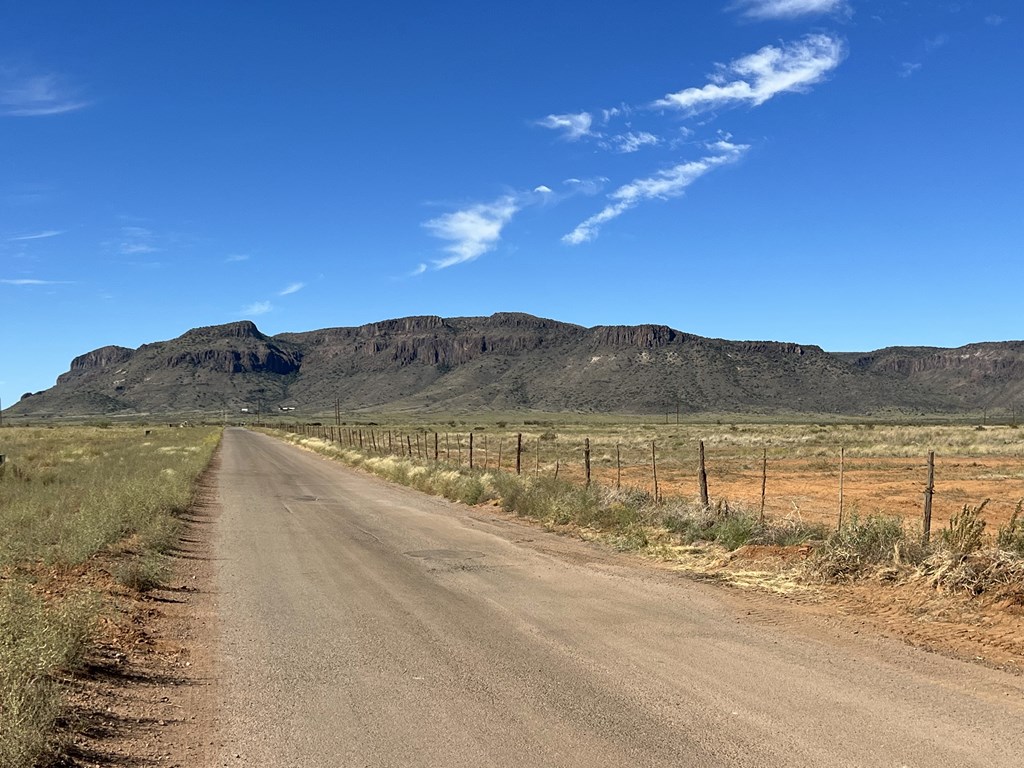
(98, 358)
(514, 360)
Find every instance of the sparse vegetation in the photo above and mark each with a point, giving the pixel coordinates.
(551, 490)
(78, 504)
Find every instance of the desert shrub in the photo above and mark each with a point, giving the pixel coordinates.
(38, 643)
(965, 531)
(989, 571)
(1011, 536)
(142, 572)
(858, 545)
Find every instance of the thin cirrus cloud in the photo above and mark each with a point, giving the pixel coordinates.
(257, 308)
(35, 236)
(757, 77)
(473, 231)
(35, 95)
(788, 9)
(664, 185)
(32, 281)
(574, 126)
(292, 288)
(633, 141)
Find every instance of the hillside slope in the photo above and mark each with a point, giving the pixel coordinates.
(512, 361)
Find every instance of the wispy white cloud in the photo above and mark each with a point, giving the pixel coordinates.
(136, 240)
(633, 141)
(34, 95)
(236, 257)
(543, 189)
(257, 308)
(666, 184)
(994, 20)
(590, 186)
(292, 288)
(907, 68)
(788, 9)
(36, 236)
(574, 126)
(472, 231)
(420, 269)
(762, 75)
(925, 50)
(31, 281)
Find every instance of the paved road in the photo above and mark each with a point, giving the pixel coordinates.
(367, 625)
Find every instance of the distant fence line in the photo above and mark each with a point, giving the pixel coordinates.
(574, 460)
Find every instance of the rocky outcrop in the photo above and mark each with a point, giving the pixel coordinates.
(98, 358)
(641, 336)
(267, 360)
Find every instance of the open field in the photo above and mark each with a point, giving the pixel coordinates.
(86, 514)
(884, 467)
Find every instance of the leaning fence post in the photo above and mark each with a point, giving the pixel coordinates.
(929, 491)
(703, 477)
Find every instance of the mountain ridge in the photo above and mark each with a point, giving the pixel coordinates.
(512, 361)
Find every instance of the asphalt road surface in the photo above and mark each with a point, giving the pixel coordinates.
(363, 624)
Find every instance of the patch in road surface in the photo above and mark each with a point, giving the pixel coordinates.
(450, 560)
(446, 554)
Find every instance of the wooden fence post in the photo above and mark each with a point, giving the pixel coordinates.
(929, 491)
(764, 480)
(618, 467)
(360, 439)
(586, 459)
(519, 454)
(702, 475)
(447, 448)
(501, 440)
(842, 477)
(654, 467)
(408, 444)
(470, 450)
(536, 469)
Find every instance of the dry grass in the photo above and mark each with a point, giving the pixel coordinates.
(75, 499)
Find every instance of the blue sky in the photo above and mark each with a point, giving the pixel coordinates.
(844, 173)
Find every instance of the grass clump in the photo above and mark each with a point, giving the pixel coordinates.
(142, 572)
(39, 643)
(966, 530)
(860, 545)
(1011, 536)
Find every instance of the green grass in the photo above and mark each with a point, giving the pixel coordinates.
(90, 499)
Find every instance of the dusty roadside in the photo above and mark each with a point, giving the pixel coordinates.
(148, 695)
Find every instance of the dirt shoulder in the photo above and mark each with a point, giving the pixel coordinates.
(148, 694)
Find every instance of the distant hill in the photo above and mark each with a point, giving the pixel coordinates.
(512, 361)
